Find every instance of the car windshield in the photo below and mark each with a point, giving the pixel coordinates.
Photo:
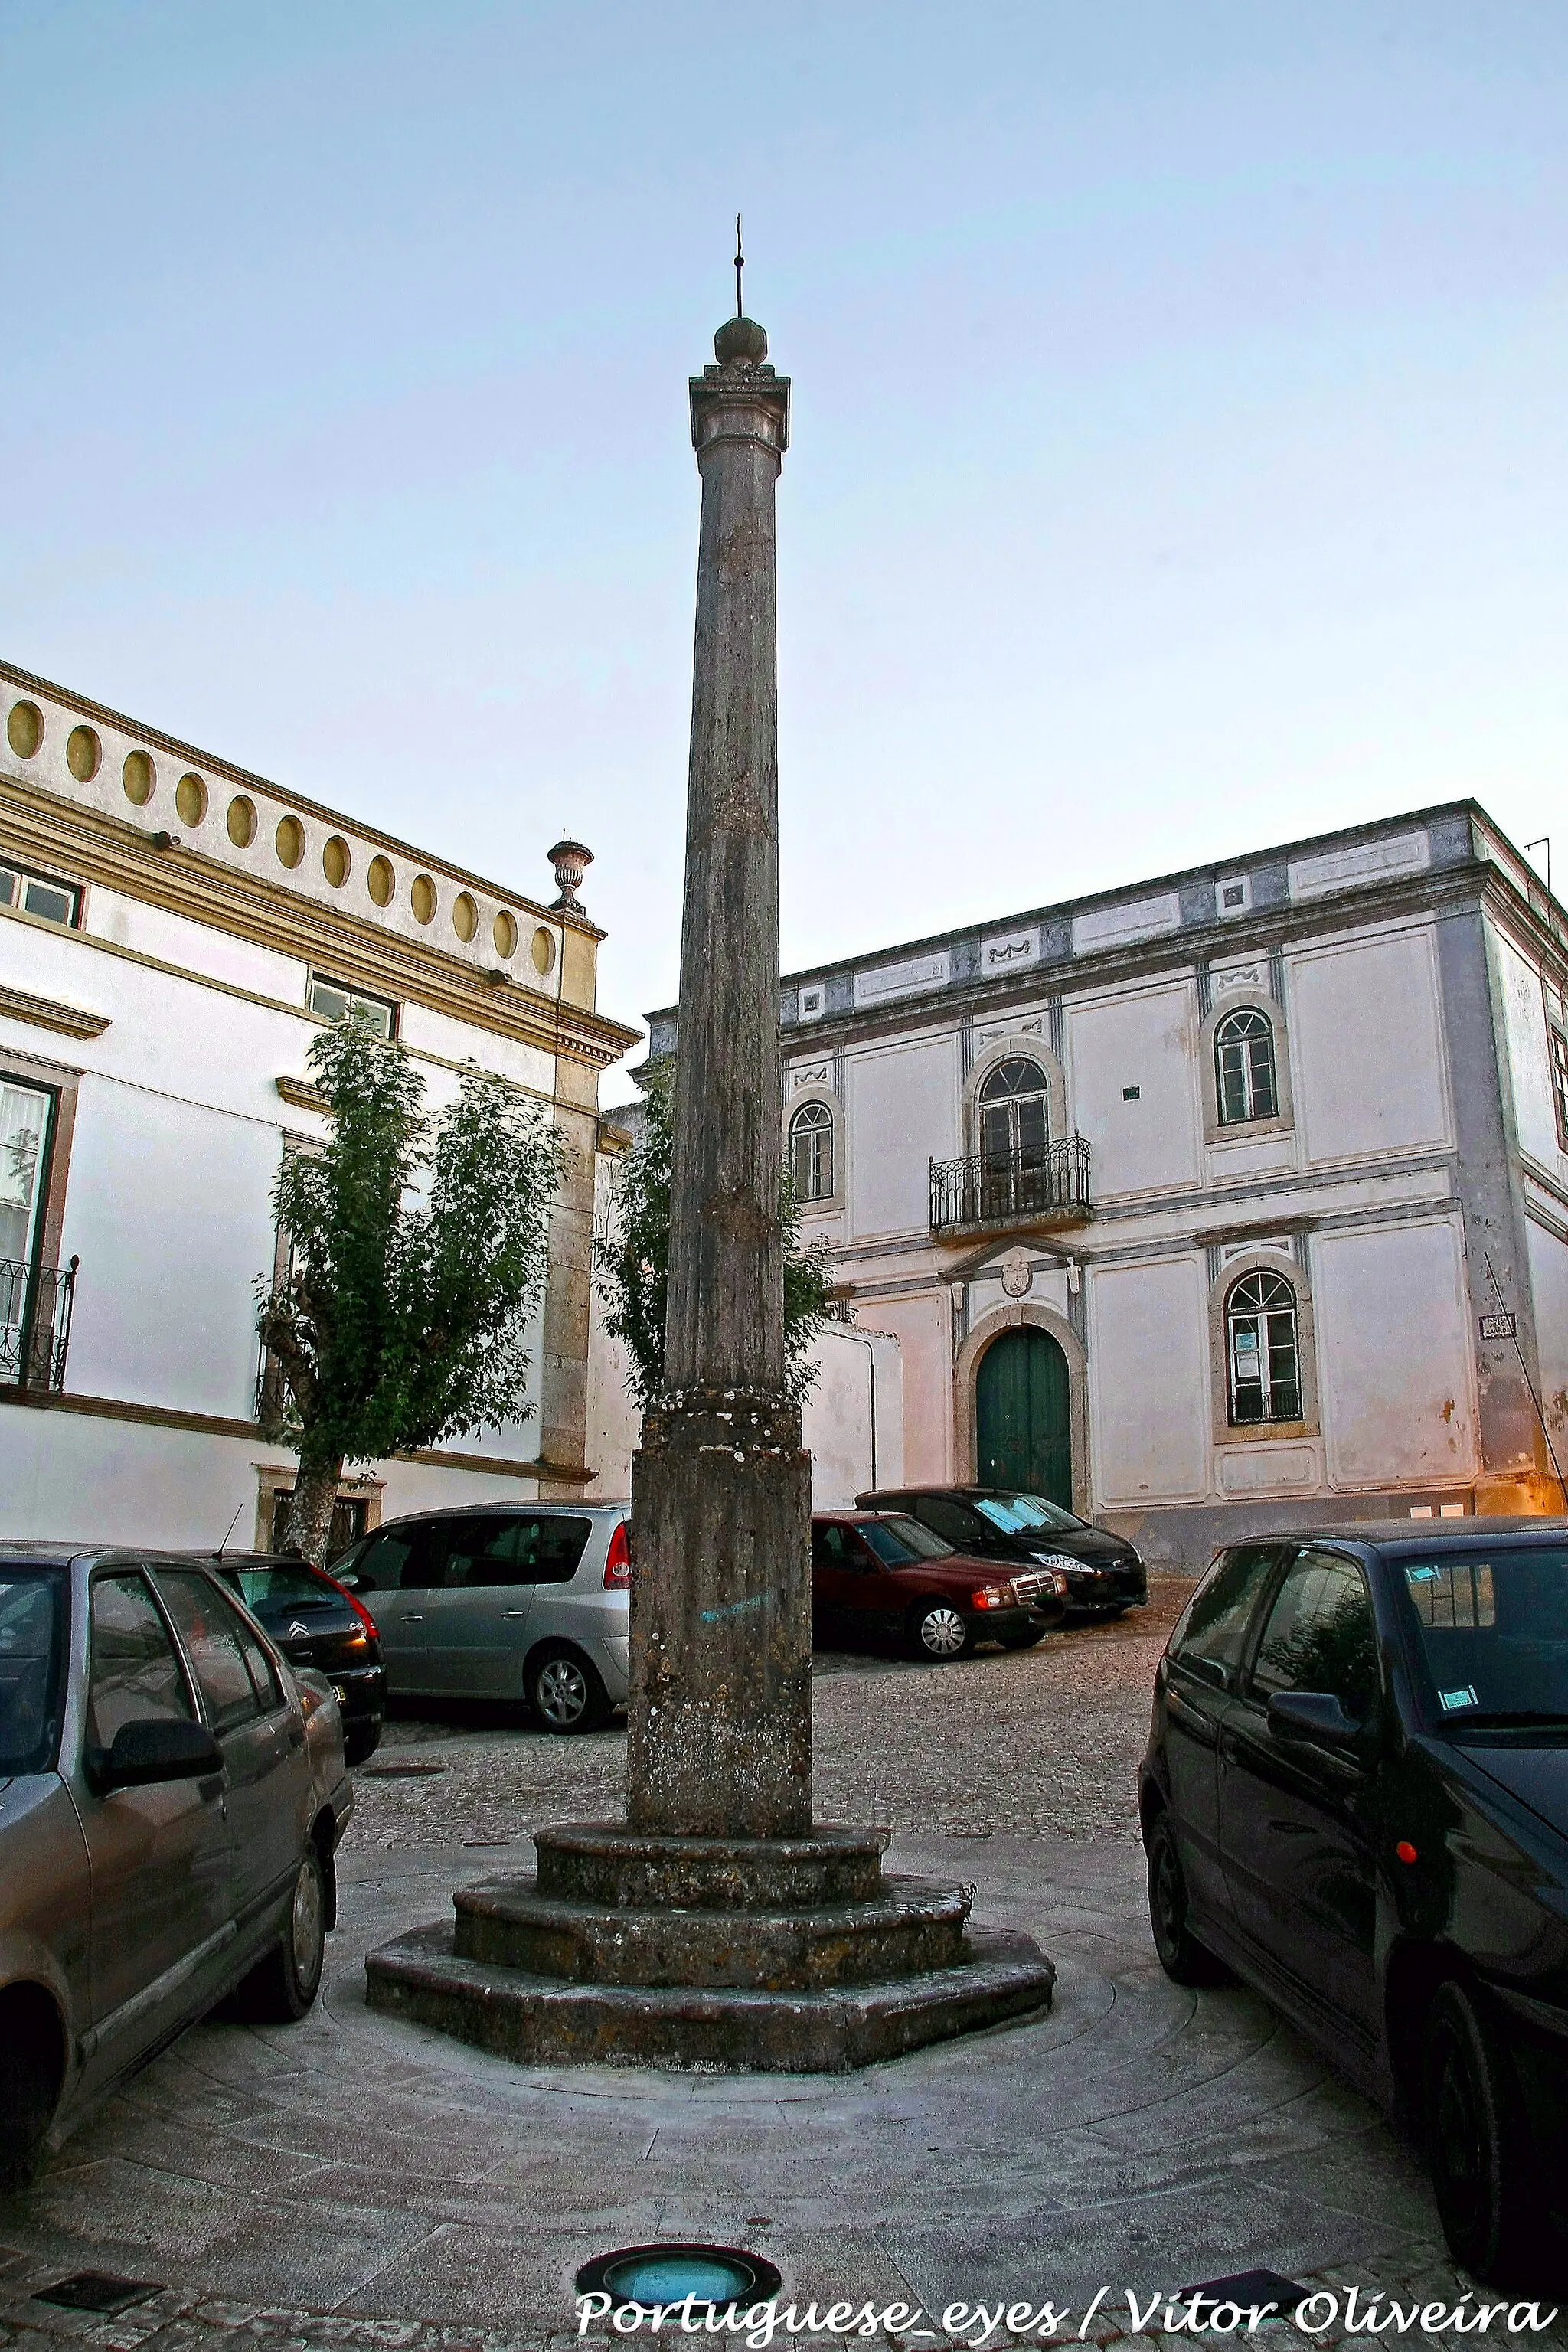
(1493, 1630)
(1021, 1515)
(32, 1661)
(895, 1540)
(292, 1588)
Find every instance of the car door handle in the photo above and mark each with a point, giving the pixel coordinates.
(412, 1617)
(514, 1613)
(1229, 1747)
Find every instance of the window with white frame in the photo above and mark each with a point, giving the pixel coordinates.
(1244, 1066)
(1263, 1349)
(1558, 1042)
(335, 1000)
(811, 1152)
(1015, 1114)
(39, 893)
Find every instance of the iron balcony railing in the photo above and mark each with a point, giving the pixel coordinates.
(995, 1190)
(35, 1323)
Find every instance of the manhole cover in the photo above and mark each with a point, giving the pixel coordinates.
(1249, 2291)
(95, 2291)
(715, 2278)
(400, 1772)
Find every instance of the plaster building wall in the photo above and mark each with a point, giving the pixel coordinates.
(1408, 974)
(167, 1020)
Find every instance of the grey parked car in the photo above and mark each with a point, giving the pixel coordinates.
(522, 1600)
(172, 1795)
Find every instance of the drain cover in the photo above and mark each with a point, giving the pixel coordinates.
(1248, 2290)
(95, 2291)
(716, 2278)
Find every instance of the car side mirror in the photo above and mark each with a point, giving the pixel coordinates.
(1314, 1715)
(167, 1748)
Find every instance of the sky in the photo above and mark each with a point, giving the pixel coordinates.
(1179, 461)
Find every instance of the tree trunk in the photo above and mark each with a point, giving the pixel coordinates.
(308, 1533)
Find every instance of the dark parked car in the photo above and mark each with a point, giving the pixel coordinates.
(172, 1795)
(316, 1621)
(875, 1574)
(1356, 1796)
(1104, 1574)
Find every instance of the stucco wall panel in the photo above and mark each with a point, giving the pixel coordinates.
(1148, 1382)
(1367, 1037)
(1524, 1026)
(1396, 1365)
(1147, 1041)
(903, 1113)
(1549, 1283)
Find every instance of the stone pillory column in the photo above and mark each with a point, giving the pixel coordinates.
(720, 1642)
(717, 1926)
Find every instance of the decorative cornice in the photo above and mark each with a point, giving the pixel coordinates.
(43, 1012)
(93, 848)
(300, 1095)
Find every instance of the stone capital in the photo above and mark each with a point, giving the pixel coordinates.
(739, 403)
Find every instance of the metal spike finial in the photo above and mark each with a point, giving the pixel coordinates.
(739, 265)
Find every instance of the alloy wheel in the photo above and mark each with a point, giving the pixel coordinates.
(561, 1690)
(943, 1633)
(306, 1926)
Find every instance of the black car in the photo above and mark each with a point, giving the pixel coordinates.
(316, 1621)
(1356, 1796)
(1104, 1574)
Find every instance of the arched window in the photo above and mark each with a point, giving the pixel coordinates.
(1014, 1119)
(811, 1152)
(1263, 1349)
(1244, 1066)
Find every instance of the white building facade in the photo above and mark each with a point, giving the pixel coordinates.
(1233, 1201)
(172, 932)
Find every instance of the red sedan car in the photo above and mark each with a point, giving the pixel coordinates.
(881, 1573)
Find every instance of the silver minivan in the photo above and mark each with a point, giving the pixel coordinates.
(516, 1600)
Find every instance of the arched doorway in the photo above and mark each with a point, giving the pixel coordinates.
(1023, 1420)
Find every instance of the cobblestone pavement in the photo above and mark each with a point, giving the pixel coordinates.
(357, 2182)
(1044, 1741)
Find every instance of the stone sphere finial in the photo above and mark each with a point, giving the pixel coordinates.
(571, 861)
(740, 339)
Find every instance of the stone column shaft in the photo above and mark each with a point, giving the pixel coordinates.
(720, 1718)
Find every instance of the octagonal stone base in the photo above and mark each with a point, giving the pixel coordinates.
(541, 2020)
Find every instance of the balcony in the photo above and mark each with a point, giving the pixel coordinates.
(35, 1324)
(1021, 1192)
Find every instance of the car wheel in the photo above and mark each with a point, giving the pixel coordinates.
(1023, 1641)
(27, 2091)
(940, 1633)
(1185, 1960)
(284, 1985)
(362, 1742)
(1489, 2210)
(567, 1693)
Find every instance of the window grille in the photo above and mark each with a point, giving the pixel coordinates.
(1243, 1068)
(1263, 1349)
(1015, 1118)
(811, 1152)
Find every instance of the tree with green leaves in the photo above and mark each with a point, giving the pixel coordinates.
(633, 1256)
(417, 1248)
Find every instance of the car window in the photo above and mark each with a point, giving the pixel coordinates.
(481, 1550)
(897, 1540)
(289, 1588)
(830, 1545)
(1320, 1634)
(550, 1546)
(405, 1556)
(32, 1664)
(1492, 1630)
(962, 1527)
(211, 1632)
(136, 1674)
(1025, 1514)
(1210, 1633)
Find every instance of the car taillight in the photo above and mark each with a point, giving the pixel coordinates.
(994, 1596)
(356, 1604)
(619, 1562)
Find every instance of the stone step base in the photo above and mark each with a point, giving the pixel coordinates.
(607, 1862)
(914, 1925)
(539, 2020)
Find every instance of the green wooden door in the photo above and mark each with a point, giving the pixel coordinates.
(1023, 1425)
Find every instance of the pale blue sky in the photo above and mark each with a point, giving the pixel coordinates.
(1180, 448)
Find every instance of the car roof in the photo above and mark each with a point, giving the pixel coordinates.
(46, 1552)
(1420, 1535)
(490, 1511)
